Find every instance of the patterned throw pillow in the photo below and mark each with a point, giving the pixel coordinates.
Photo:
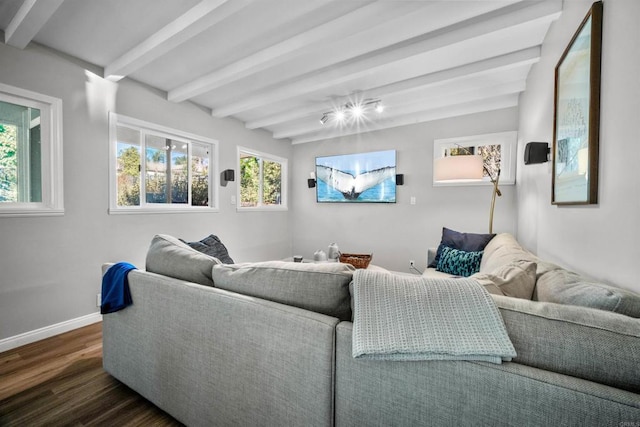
(470, 242)
(458, 262)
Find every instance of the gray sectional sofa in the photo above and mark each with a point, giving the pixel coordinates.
(270, 344)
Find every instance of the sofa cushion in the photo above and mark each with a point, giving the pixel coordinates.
(458, 262)
(212, 246)
(321, 287)
(169, 256)
(503, 249)
(516, 279)
(591, 344)
(565, 287)
(470, 242)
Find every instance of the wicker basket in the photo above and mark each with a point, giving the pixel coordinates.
(357, 260)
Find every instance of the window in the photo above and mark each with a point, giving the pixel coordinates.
(263, 180)
(176, 173)
(30, 153)
(498, 151)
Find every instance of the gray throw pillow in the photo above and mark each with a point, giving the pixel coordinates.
(322, 287)
(169, 256)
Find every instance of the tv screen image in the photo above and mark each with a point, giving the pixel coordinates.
(357, 178)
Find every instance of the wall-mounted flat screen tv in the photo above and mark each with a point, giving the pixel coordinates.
(357, 178)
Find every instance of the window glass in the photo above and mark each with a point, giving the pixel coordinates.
(249, 180)
(491, 157)
(174, 172)
(272, 182)
(262, 180)
(199, 175)
(30, 153)
(498, 151)
(20, 154)
(128, 173)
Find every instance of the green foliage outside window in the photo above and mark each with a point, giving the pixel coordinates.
(128, 180)
(8, 164)
(129, 177)
(260, 181)
(249, 181)
(272, 182)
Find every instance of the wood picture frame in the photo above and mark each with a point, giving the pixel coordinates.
(576, 120)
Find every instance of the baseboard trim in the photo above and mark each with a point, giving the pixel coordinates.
(48, 331)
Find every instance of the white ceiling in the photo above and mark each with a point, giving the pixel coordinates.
(280, 64)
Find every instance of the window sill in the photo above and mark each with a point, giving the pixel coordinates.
(26, 212)
(180, 210)
(263, 209)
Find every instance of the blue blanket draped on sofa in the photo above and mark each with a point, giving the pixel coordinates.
(115, 288)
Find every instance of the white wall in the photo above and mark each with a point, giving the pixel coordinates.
(600, 241)
(50, 266)
(396, 233)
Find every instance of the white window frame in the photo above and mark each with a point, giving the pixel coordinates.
(51, 167)
(508, 142)
(146, 128)
(283, 206)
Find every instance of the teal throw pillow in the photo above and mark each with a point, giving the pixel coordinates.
(458, 262)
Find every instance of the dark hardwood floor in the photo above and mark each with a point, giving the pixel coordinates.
(60, 381)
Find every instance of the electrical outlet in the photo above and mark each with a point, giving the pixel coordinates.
(98, 300)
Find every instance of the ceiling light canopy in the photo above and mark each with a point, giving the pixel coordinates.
(354, 111)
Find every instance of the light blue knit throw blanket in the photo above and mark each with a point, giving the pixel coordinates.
(417, 318)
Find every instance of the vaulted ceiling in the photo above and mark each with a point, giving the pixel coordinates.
(280, 65)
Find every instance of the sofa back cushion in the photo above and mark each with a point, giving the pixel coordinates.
(516, 279)
(169, 256)
(322, 287)
(503, 249)
(565, 287)
(591, 344)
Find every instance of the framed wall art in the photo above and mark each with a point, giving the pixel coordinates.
(357, 178)
(576, 125)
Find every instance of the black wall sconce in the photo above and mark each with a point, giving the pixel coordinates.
(226, 176)
(536, 152)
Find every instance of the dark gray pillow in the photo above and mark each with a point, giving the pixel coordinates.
(212, 246)
(468, 242)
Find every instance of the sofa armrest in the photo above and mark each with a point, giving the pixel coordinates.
(582, 342)
(213, 357)
(446, 392)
